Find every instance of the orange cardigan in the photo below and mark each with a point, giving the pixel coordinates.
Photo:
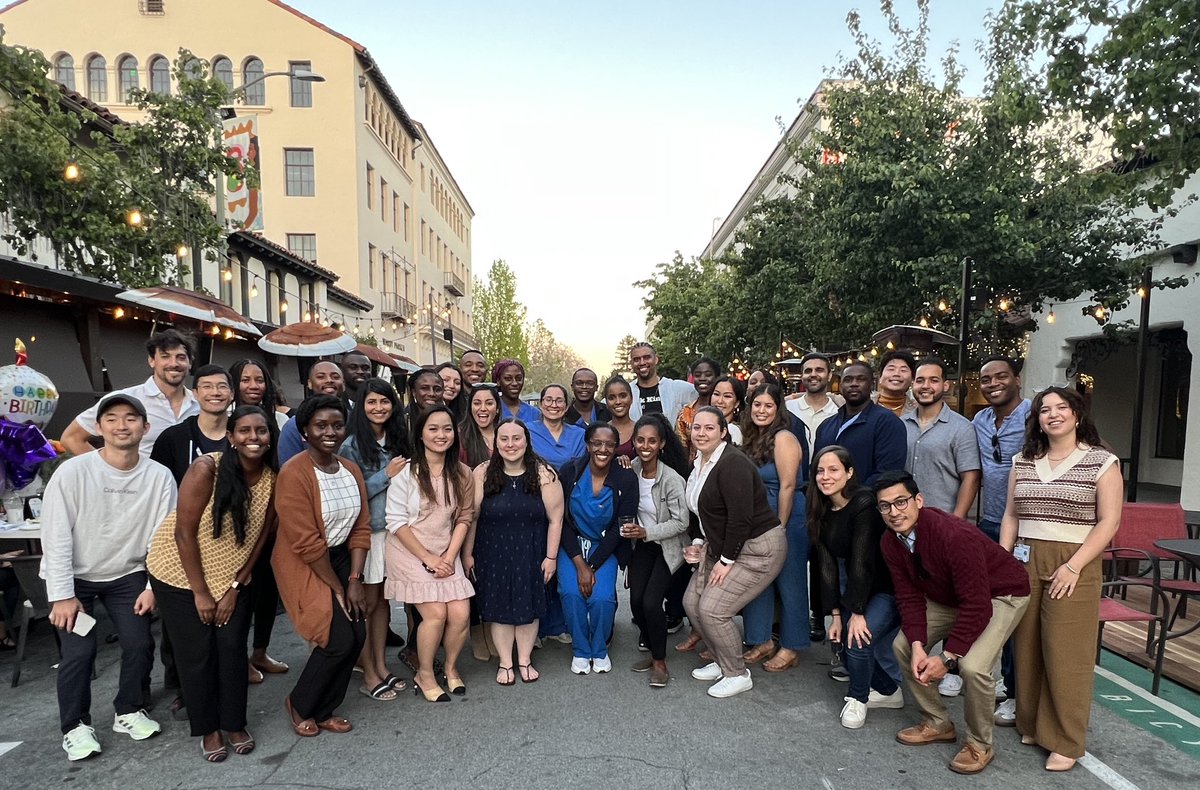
(301, 541)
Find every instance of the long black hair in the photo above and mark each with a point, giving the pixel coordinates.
(494, 478)
(395, 431)
(458, 406)
(473, 443)
(819, 504)
(269, 399)
(231, 493)
(758, 443)
(673, 454)
(453, 474)
(414, 410)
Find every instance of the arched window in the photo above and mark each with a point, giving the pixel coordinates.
(97, 78)
(253, 82)
(223, 70)
(64, 70)
(127, 77)
(160, 75)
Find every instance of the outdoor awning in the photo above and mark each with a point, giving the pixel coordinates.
(919, 338)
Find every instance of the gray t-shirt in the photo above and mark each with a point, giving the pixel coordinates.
(938, 456)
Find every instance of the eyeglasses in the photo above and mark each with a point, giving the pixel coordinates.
(996, 448)
(900, 504)
(554, 402)
(602, 445)
(209, 387)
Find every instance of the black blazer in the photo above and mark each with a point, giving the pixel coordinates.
(733, 506)
(624, 485)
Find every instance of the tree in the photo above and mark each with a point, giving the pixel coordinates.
(550, 362)
(620, 364)
(1128, 69)
(499, 318)
(690, 308)
(164, 167)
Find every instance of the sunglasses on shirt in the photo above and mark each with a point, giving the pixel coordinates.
(996, 448)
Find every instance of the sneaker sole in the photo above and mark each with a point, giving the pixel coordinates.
(858, 725)
(885, 705)
(1004, 722)
(83, 756)
(124, 731)
(730, 694)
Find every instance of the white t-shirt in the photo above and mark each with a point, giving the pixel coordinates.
(159, 413)
(341, 503)
(647, 512)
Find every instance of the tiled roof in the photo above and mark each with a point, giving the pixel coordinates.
(265, 244)
(345, 297)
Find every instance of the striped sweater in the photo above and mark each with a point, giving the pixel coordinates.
(1059, 504)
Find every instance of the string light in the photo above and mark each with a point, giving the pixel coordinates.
(72, 172)
(283, 305)
(134, 218)
(254, 291)
(1003, 305)
(395, 326)
(1141, 292)
(228, 334)
(891, 346)
(216, 330)
(227, 275)
(119, 312)
(1099, 312)
(924, 321)
(1050, 317)
(181, 251)
(307, 316)
(945, 308)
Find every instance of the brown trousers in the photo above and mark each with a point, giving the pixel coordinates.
(711, 609)
(1055, 652)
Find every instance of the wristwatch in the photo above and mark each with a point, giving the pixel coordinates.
(236, 585)
(951, 663)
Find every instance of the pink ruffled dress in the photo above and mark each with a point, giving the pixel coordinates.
(407, 580)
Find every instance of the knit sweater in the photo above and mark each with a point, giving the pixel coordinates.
(1058, 504)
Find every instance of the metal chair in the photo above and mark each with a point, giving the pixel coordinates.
(1114, 611)
(1141, 525)
(37, 604)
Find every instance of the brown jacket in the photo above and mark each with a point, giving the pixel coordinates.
(301, 541)
(733, 506)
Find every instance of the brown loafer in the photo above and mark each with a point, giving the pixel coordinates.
(336, 724)
(658, 678)
(971, 759)
(760, 653)
(269, 665)
(645, 665)
(253, 676)
(925, 733)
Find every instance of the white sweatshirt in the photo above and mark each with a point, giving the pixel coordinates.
(97, 521)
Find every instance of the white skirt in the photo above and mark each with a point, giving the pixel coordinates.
(373, 571)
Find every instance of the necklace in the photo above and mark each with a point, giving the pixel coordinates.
(1056, 460)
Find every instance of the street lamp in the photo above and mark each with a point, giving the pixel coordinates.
(304, 75)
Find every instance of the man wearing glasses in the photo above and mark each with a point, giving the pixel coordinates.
(179, 445)
(952, 584)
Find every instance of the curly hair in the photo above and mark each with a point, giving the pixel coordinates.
(1037, 443)
(758, 442)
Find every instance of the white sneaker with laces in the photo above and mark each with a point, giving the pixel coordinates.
(581, 666)
(854, 713)
(80, 743)
(951, 686)
(707, 672)
(1006, 714)
(136, 725)
(603, 664)
(895, 700)
(729, 687)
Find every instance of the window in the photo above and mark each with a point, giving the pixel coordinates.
(254, 82)
(152, 7)
(372, 258)
(300, 172)
(1174, 379)
(422, 176)
(97, 78)
(301, 89)
(370, 187)
(64, 71)
(222, 68)
(383, 190)
(303, 245)
(127, 77)
(160, 75)
(406, 221)
(395, 213)
(422, 237)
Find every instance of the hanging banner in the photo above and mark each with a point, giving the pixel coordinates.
(243, 203)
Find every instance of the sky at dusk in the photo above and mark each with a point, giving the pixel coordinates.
(594, 140)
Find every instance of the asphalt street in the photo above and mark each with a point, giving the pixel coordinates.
(596, 731)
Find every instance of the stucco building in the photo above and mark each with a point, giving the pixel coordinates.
(349, 181)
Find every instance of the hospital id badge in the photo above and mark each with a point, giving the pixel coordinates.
(1021, 551)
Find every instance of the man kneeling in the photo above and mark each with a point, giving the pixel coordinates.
(952, 584)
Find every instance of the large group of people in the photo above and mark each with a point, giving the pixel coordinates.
(811, 516)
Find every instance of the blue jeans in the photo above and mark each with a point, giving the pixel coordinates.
(591, 620)
(1007, 668)
(792, 587)
(864, 664)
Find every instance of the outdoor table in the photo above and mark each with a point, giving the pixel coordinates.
(1189, 551)
(26, 533)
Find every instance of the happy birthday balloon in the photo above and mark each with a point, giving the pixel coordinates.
(26, 396)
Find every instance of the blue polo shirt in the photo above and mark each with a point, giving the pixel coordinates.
(557, 452)
(1010, 438)
(526, 413)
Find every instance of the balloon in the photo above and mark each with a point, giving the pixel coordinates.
(22, 449)
(26, 396)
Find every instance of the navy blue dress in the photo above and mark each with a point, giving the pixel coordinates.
(510, 544)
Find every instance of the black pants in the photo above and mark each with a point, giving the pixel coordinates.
(211, 661)
(679, 585)
(649, 580)
(266, 597)
(79, 652)
(322, 685)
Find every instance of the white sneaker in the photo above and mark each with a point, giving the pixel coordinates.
(80, 743)
(581, 666)
(1001, 689)
(603, 664)
(707, 672)
(136, 725)
(894, 700)
(1006, 714)
(951, 686)
(854, 713)
(564, 637)
(729, 687)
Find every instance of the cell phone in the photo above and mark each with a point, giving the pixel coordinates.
(84, 623)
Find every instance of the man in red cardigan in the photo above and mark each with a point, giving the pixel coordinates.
(952, 584)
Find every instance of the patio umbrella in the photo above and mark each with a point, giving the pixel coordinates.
(180, 301)
(377, 355)
(307, 339)
(405, 363)
(918, 338)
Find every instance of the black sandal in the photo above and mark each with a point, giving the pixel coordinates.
(524, 673)
(511, 679)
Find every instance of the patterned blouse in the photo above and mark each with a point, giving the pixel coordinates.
(1058, 504)
(220, 558)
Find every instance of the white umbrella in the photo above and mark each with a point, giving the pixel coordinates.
(180, 301)
(307, 339)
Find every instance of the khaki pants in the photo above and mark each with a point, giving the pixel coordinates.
(711, 609)
(1055, 652)
(975, 668)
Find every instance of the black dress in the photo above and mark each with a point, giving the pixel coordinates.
(510, 544)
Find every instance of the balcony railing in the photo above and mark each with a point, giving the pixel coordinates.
(393, 305)
(455, 285)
